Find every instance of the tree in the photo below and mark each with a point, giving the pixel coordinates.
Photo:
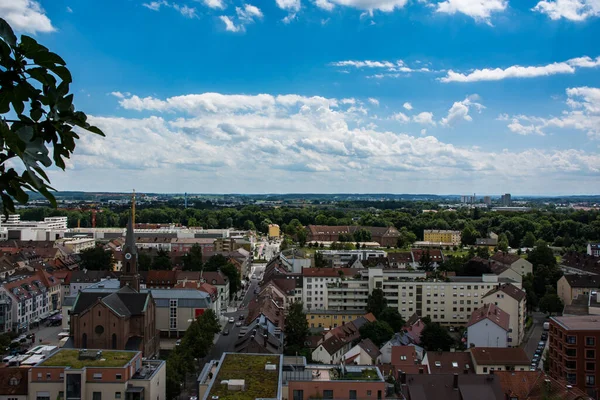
(215, 262)
(319, 260)
(393, 318)
(362, 235)
(235, 281)
(468, 236)
(296, 329)
(192, 261)
(434, 337)
(426, 263)
(502, 242)
(43, 113)
(96, 259)
(528, 240)
(551, 304)
(301, 235)
(378, 331)
(162, 261)
(406, 238)
(542, 255)
(376, 302)
(144, 261)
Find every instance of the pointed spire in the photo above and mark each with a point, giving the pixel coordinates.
(130, 237)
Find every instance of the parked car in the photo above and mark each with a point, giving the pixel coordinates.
(241, 317)
(231, 320)
(544, 336)
(226, 332)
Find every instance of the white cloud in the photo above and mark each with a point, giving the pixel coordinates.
(217, 4)
(401, 117)
(289, 18)
(364, 64)
(25, 16)
(69, 10)
(155, 5)
(245, 15)
(517, 71)
(369, 5)
(407, 106)
(424, 118)
(423, 131)
(373, 101)
(583, 114)
(291, 5)
(188, 12)
(324, 4)
(460, 110)
(480, 10)
(574, 10)
(118, 94)
(201, 139)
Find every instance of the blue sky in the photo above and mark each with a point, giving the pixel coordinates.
(271, 96)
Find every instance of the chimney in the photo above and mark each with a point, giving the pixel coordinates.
(455, 382)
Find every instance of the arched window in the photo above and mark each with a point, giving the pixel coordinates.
(114, 341)
(84, 341)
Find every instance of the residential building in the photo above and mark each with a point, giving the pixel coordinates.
(451, 386)
(364, 353)
(121, 320)
(487, 200)
(413, 328)
(14, 384)
(574, 347)
(184, 245)
(283, 289)
(401, 259)
(569, 287)
(97, 375)
(269, 311)
(593, 249)
(274, 231)
(488, 327)
(341, 258)
(336, 342)
(505, 200)
(316, 281)
(513, 261)
(248, 376)
(329, 319)
(491, 359)
(385, 236)
(156, 279)
(79, 280)
(399, 340)
(50, 229)
(406, 359)
(536, 385)
(6, 323)
(488, 243)
(468, 199)
(78, 244)
(513, 301)
(442, 236)
(447, 362)
(258, 340)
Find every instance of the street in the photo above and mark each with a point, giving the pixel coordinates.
(47, 335)
(533, 337)
(268, 249)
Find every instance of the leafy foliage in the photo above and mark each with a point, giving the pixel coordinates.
(296, 329)
(378, 331)
(376, 302)
(162, 261)
(34, 86)
(192, 260)
(393, 318)
(426, 262)
(435, 337)
(551, 304)
(96, 259)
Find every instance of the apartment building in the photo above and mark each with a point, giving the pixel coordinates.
(330, 319)
(574, 346)
(517, 265)
(97, 375)
(569, 287)
(512, 300)
(341, 258)
(449, 302)
(274, 231)
(442, 236)
(488, 327)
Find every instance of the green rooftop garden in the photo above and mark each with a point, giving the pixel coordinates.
(259, 382)
(70, 358)
(367, 374)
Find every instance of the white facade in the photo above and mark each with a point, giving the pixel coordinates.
(517, 311)
(486, 333)
(340, 258)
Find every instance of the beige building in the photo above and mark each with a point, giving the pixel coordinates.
(274, 231)
(77, 245)
(449, 302)
(518, 266)
(569, 287)
(488, 359)
(98, 375)
(513, 301)
(442, 236)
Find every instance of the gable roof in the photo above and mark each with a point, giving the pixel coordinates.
(505, 258)
(583, 281)
(401, 257)
(449, 362)
(370, 347)
(510, 290)
(499, 356)
(491, 312)
(123, 302)
(536, 385)
(89, 276)
(155, 277)
(18, 376)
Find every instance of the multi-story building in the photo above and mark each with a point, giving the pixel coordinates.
(51, 228)
(513, 301)
(79, 244)
(5, 313)
(488, 327)
(274, 231)
(184, 245)
(442, 236)
(323, 233)
(97, 375)
(330, 319)
(505, 199)
(574, 348)
(490, 359)
(593, 249)
(569, 287)
(487, 200)
(519, 267)
(341, 258)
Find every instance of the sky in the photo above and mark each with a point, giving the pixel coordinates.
(329, 96)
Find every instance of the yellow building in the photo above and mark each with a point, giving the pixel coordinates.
(274, 231)
(441, 236)
(330, 319)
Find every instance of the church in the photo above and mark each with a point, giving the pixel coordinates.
(122, 320)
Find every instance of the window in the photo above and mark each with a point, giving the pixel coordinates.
(590, 380)
(571, 339)
(173, 314)
(298, 395)
(572, 378)
(328, 394)
(97, 396)
(571, 364)
(352, 395)
(571, 352)
(117, 395)
(48, 376)
(97, 376)
(590, 341)
(590, 366)
(484, 370)
(118, 377)
(368, 392)
(590, 354)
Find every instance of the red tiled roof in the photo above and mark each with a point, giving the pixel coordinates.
(491, 312)
(328, 272)
(449, 362)
(536, 385)
(510, 290)
(499, 355)
(505, 258)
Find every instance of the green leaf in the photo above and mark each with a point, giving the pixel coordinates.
(5, 96)
(64, 103)
(63, 73)
(36, 114)
(7, 33)
(41, 75)
(29, 46)
(47, 59)
(95, 130)
(63, 88)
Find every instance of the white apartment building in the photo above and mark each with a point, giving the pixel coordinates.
(51, 228)
(449, 302)
(340, 258)
(513, 301)
(79, 244)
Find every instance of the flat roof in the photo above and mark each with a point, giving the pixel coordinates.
(259, 383)
(70, 358)
(579, 322)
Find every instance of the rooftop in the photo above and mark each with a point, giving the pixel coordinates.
(320, 372)
(499, 355)
(579, 322)
(491, 312)
(583, 281)
(107, 359)
(259, 383)
(449, 362)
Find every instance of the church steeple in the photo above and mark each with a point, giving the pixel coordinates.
(129, 271)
